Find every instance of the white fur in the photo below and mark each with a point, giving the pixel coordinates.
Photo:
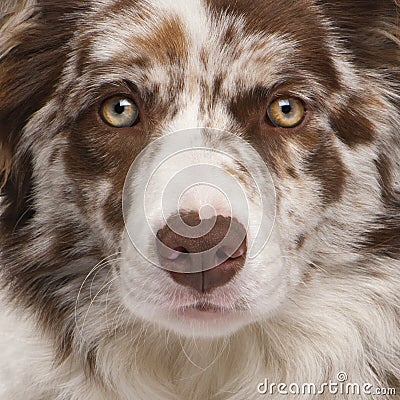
(281, 327)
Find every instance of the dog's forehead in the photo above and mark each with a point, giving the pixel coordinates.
(177, 30)
(205, 38)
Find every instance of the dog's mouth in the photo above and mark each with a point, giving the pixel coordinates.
(204, 310)
(206, 307)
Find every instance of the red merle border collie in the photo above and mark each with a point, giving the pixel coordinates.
(304, 94)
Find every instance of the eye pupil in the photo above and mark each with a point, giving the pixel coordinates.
(119, 109)
(286, 109)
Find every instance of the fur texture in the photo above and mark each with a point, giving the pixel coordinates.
(88, 317)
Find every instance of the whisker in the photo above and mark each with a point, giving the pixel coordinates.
(102, 263)
(93, 300)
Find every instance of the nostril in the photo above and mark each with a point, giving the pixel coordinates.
(181, 249)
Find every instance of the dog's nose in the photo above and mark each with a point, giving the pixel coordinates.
(202, 253)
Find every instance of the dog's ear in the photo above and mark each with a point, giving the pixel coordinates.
(15, 17)
(33, 38)
(370, 29)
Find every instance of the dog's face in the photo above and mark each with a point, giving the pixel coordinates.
(120, 97)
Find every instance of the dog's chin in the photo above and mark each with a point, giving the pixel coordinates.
(196, 320)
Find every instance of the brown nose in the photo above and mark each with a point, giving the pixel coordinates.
(202, 261)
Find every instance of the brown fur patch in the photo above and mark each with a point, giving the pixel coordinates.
(5, 164)
(350, 123)
(249, 109)
(384, 168)
(384, 240)
(366, 28)
(393, 382)
(166, 43)
(323, 162)
(300, 242)
(264, 16)
(327, 166)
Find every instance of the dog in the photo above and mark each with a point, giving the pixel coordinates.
(269, 129)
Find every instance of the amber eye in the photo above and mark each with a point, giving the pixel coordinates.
(286, 112)
(119, 112)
